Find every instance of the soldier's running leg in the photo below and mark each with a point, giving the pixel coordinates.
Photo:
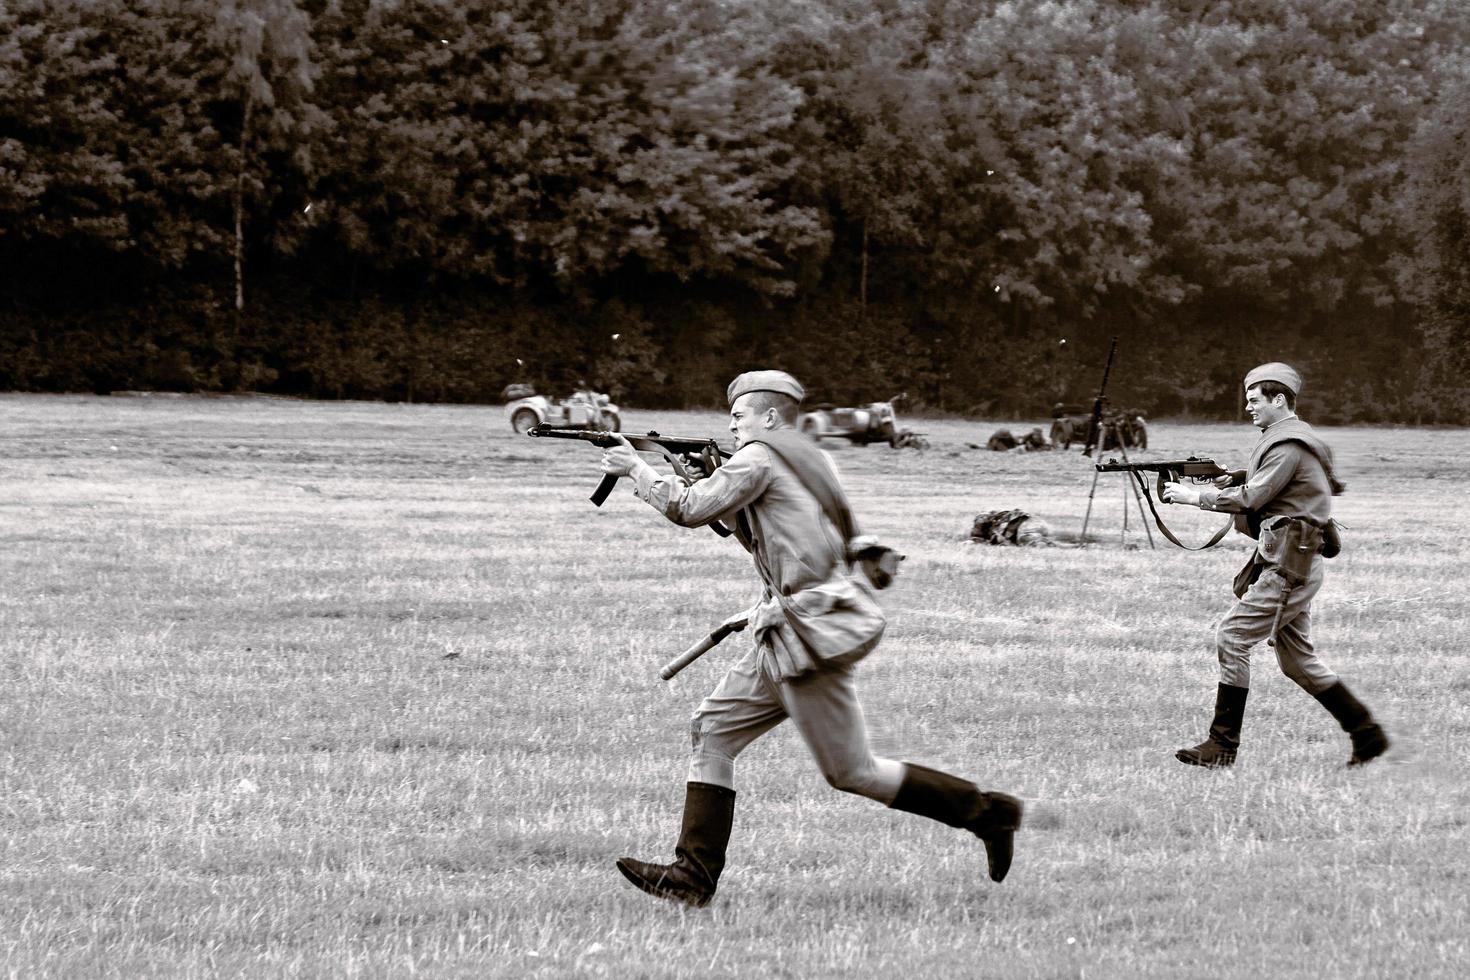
(1299, 661)
(1247, 623)
(826, 710)
(742, 708)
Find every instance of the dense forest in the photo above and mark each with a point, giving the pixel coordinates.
(961, 199)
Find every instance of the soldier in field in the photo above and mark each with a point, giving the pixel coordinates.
(1284, 500)
(815, 620)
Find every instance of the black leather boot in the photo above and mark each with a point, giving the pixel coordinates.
(1218, 750)
(992, 817)
(699, 857)
(1369, 740)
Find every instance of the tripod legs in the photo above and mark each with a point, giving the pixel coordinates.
(1102, 440)
(1088, 514)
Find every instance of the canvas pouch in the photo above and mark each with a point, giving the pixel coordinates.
(1290, 544)
(834, 623)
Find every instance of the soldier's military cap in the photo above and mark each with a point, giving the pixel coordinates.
(777, 381)
(1283, 374)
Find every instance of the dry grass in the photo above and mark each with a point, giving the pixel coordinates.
(233, 740)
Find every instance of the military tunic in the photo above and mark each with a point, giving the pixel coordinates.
(799, 556)
(1289, 475)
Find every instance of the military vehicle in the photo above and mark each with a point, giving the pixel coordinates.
(874, 422)
(584, 408)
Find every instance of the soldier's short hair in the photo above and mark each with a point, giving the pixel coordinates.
(1270, 389)
(786, 406)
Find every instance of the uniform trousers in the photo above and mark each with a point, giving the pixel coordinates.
(1249, 622)
(824, 706)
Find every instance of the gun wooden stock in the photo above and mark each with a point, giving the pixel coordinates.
(700, 649)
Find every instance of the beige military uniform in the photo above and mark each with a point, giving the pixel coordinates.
(1285, 479)
(798, 554)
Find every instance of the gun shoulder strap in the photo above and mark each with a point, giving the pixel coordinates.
(1164, 529)
(806, 461)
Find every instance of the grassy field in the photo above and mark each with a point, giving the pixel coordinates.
(370, 690)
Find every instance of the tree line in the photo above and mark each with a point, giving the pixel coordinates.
(961, 199)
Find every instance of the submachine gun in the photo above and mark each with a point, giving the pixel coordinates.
(681, 454)
(1196, 469)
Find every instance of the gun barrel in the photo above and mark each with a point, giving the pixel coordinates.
(1113, 466)
(545, 430)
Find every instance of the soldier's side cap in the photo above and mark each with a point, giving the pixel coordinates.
(1276, 371)
(778, 381)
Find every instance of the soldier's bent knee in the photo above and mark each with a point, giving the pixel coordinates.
(859, 781)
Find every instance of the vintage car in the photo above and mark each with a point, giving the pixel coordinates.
(584, 408)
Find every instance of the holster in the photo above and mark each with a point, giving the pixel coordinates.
(1290, 544)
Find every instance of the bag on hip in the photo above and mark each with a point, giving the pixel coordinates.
(1290, 544)
(838, 621)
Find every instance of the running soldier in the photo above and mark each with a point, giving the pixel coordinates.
(815, 619)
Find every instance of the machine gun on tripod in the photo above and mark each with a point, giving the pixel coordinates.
(1106, 429)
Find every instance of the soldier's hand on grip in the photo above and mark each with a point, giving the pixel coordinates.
(619, 459)
(1178, 493)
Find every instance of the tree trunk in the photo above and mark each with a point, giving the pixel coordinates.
(863, 280)
(240, 209)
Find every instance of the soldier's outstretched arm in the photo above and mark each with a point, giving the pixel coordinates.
(1269, 479)
(742, 478)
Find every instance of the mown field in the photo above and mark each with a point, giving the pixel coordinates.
(295, 689)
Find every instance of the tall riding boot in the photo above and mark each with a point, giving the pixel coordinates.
(1218, 750)
(1369, 740)
(699, 857)
(992, 817)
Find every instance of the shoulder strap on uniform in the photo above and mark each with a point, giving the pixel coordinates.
(806, 461)
(1297, 431)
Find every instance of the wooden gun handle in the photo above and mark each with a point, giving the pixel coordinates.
(698, 650)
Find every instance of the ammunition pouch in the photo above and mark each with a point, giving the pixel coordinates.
(1290, 544)
(1250, 523)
